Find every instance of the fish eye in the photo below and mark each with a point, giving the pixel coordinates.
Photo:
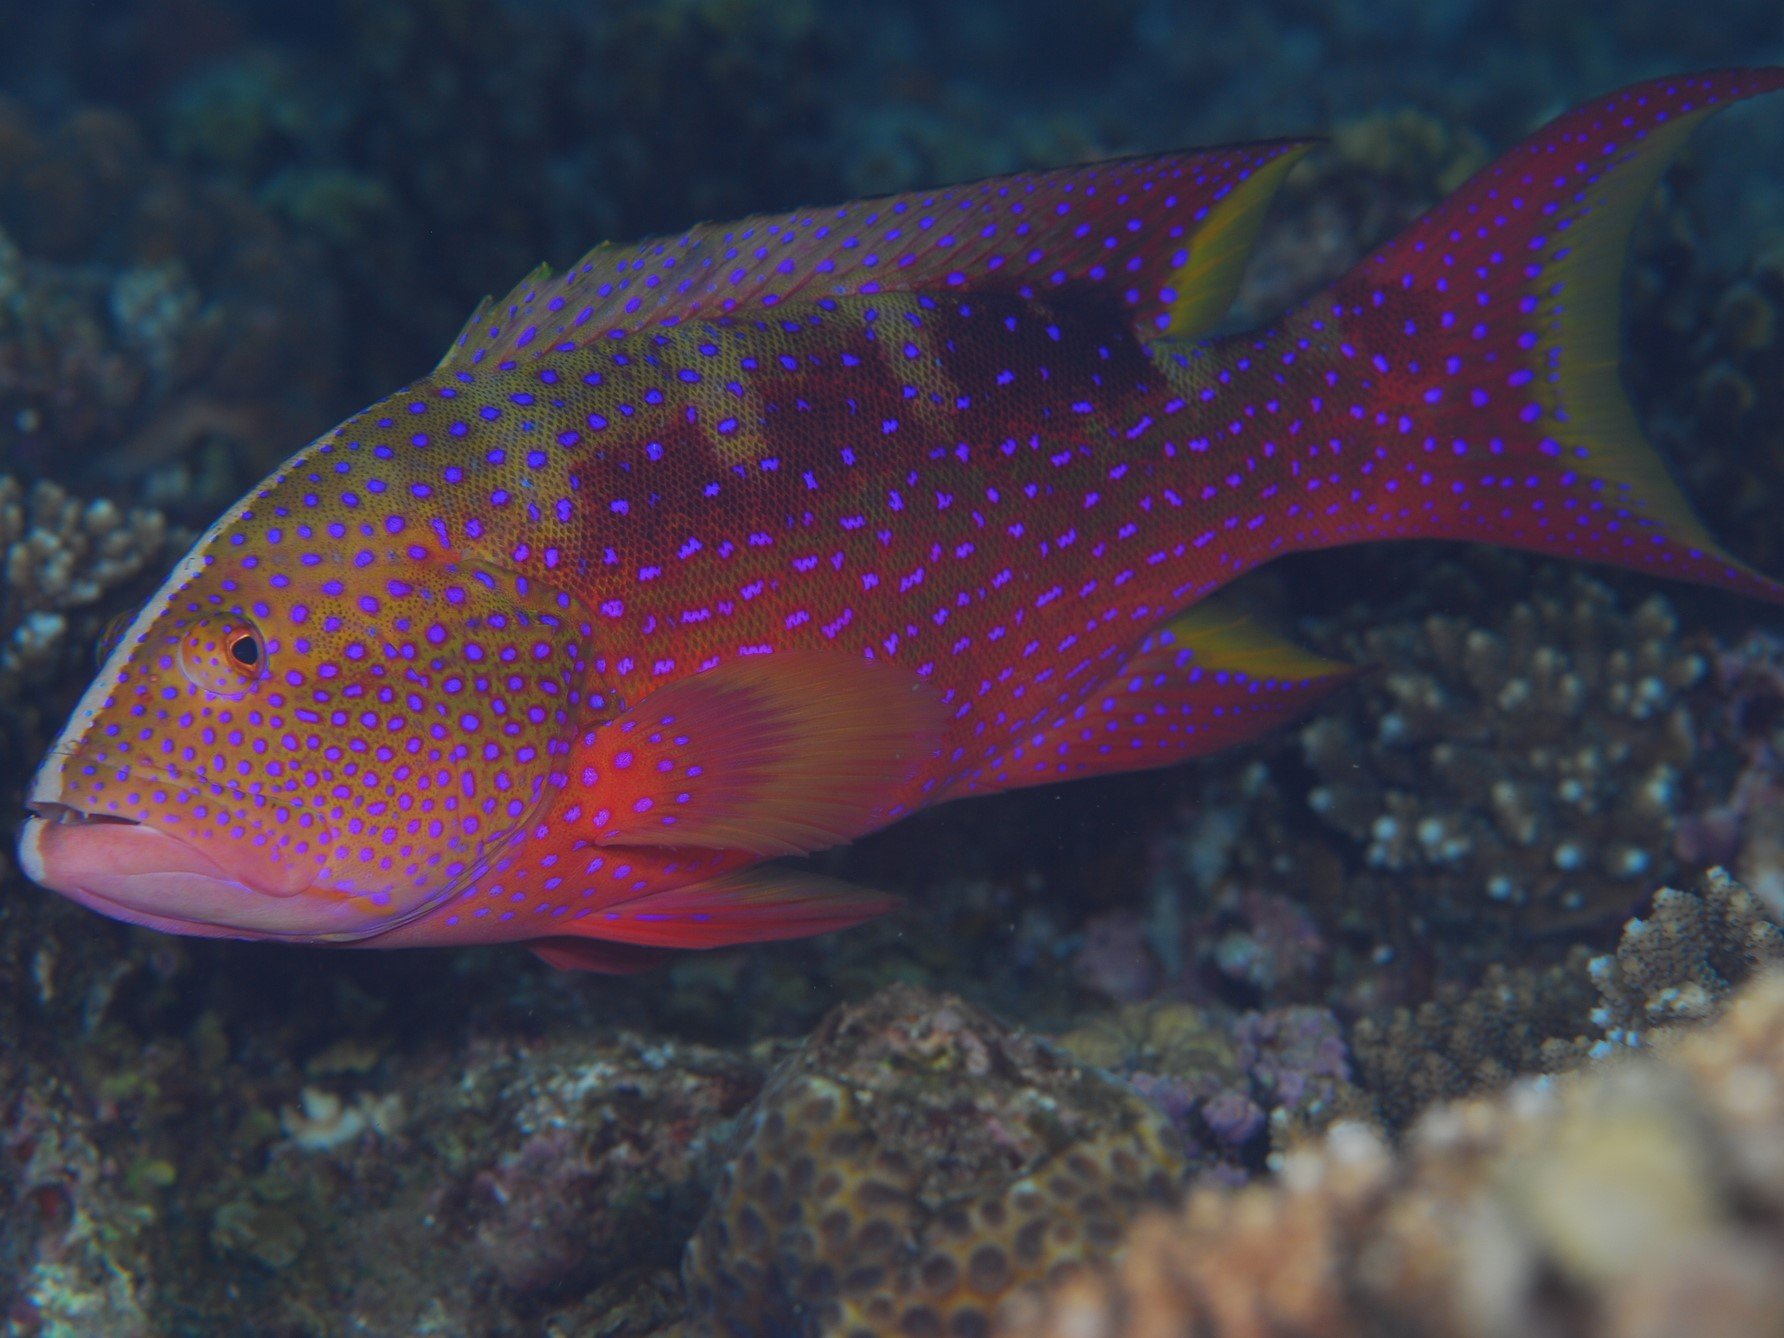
(223, 653)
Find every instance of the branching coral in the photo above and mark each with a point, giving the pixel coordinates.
(62, 557)
(1527, 770)
(1679, 962)
(1639, 1199)
(1516, 1021)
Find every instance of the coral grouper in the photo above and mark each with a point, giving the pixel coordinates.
(742, 543)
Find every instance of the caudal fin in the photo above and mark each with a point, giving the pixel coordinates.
(1476, 355)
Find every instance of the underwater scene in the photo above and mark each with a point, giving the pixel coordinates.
(1109, 671)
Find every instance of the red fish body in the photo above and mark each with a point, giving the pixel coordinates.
(743, 543)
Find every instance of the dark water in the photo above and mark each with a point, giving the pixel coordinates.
(224, 227)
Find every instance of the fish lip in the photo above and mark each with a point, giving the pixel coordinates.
(231, 907)
(58, 813)
(49, 804)
(49, 809)
(281, 919)
(31, 863)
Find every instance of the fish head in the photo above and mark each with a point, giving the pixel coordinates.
(327, 722)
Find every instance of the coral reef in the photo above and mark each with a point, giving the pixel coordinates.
(560, 1180)
(1503, 781)
(1642, 1198)
(1744, 826)
(1677, 963)
(914, 1165)
(1226, 1081)
(61, 557)
(1225, 1077)
(74, 1256)
(277, 1156)
(222, 226)
(1537, 759)
(65, 565)
(489, 126)
(600, 1164)
(1709, 357)
(1382, 170)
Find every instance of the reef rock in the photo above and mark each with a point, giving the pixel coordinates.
(914, 1165)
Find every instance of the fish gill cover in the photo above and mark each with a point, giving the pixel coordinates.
(219, 235)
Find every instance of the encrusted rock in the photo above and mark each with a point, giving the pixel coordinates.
(912, 1167)
(1227, 1080)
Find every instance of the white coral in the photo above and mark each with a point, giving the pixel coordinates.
(59, 555)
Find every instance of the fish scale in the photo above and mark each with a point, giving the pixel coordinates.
(743, 543)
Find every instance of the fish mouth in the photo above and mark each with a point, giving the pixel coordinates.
(136, 872)
(66, 815)
(130, 869)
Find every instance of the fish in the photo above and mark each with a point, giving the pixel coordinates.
(716, 550)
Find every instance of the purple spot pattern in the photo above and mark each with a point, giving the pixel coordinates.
(928, 431)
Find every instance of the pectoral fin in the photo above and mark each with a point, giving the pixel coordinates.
(773, 755)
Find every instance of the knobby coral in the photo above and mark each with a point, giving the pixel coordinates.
(1641, 1198)
(1539, 757)
(61, 556)
(1679, 962)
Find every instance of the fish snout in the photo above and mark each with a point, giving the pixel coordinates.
(133, 872)
(131, 869)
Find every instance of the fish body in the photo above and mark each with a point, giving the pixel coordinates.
(740, 544)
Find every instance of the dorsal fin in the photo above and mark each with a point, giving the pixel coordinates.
(1131, 227)
(475, 332)
(1201, 289)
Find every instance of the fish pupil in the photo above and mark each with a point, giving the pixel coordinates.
(245, 650)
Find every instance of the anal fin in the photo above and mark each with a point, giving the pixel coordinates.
(1208, 680)
(567, 953)
(756, 905)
